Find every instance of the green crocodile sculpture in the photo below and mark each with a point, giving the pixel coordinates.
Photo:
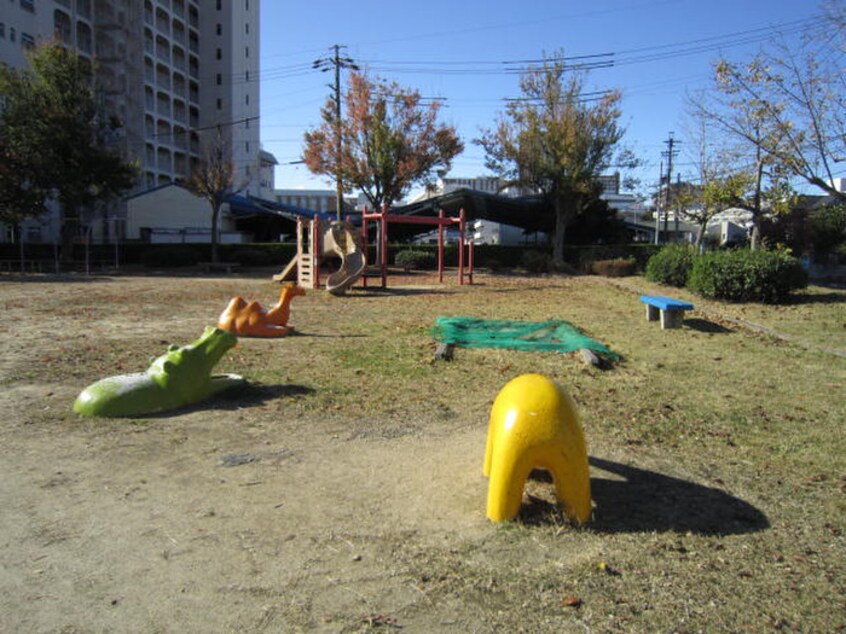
(179, 377)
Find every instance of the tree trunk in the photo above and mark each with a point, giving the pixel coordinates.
(700, 235)
(755, 237)
(561, 221)
(67, 234)
(215, 237)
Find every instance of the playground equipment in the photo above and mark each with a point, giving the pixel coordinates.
(554, 335)
(251, 320)
(179, 377)
(534, 423)
(383, 218)
(316, 240)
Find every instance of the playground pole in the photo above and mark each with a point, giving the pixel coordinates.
(461, 227)
(383, 242)
(441, 246)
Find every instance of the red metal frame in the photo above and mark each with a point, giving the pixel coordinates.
(384, 218)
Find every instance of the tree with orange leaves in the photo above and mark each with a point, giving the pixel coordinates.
(389, 141)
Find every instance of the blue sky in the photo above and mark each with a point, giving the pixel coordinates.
(661, 49)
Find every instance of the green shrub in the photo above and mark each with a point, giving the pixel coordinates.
(618, 267)
(170, 256)
(671, 265)
(536, 262)
(254, 257)
(747, 276)
(493, 265)
(416, 260)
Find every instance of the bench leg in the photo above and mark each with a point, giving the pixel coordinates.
(651, 313)
(671, 318)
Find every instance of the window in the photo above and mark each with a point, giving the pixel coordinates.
(27, 41)
(246, 51)
(247, 147)
(219, 54)
(219, 79)
(247, 99)
(219, 4)
(28, 5)
(247, 28)
(219, 28)
(219, 103)
(12, 34)
(247, 75)
(2, 30)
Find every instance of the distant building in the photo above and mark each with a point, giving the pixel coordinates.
(322, 200)
(174, 72)
(173, 214)
(490, 232)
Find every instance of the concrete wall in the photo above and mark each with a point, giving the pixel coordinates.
(173, 208)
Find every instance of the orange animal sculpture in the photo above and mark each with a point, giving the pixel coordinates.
(249, 319)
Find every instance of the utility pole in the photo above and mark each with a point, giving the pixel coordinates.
(670, 153)
(658, 204)
(324, 64)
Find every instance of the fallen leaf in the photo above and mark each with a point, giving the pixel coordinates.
(571, 602)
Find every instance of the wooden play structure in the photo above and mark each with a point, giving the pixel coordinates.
(318, 238)
(383, 218)
(306, 263)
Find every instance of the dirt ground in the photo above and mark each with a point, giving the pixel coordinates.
(310, 504)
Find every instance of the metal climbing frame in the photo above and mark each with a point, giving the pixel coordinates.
(383, 218)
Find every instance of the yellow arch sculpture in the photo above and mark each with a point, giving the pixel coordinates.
(534, 423)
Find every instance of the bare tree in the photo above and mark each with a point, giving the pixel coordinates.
(787, 103)
(214, 179)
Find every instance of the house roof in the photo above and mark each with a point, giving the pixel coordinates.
(249, 205)
(518, 212)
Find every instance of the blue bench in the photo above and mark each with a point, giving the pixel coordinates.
(671, 310)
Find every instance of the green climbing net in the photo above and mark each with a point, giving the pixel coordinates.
(554, 335)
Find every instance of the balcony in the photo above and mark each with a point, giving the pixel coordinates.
(83, 9)
(162, 50)
(106, 17)
(163, 105)
(162, 77)
(162, 22)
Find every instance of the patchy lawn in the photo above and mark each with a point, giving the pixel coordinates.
(342, 491)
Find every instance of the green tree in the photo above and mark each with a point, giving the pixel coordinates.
(55, 141)
(557, 141)
(213, 178)
(390, 140)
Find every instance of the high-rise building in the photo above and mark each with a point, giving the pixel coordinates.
(178, 73)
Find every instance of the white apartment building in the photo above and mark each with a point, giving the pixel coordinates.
(322, 200)
(177, 73)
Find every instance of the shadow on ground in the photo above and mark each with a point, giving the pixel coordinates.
(646, 501)
(818, 298)
(249, 395)
(703, 325)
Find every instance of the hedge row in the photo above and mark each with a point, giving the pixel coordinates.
(734, 275)
(535, 258)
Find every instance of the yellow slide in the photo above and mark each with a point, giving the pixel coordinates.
(342, 241)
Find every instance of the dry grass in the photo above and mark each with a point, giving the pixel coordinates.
(717, 453)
